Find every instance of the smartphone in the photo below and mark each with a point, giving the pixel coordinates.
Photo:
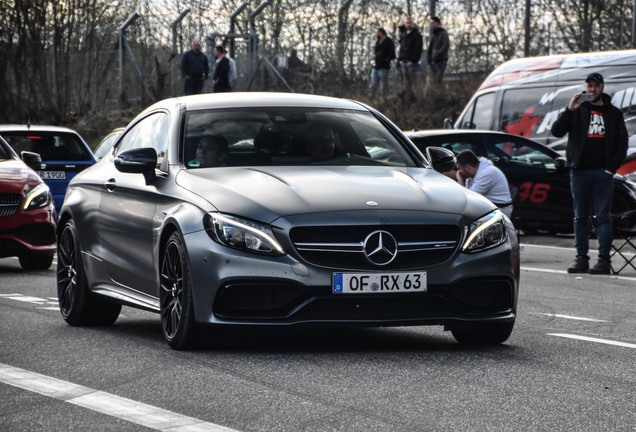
(585, 97)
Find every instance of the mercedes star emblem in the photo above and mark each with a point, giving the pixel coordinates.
(380, 248)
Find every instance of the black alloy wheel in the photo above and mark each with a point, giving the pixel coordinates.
(78, 306)
(175, 297)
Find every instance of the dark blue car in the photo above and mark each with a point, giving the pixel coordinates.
(64, 153)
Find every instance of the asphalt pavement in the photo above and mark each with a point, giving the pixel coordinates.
(569, 365)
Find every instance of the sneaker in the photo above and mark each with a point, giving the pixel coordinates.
(601, 267)
(580, 265)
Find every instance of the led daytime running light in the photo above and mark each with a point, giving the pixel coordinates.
(253, 230)
(491, 219)
(34, 193)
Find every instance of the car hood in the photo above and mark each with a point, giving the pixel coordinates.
(16, 177)
(266, 193)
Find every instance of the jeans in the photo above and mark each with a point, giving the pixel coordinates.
(380, 76)
(438, 68)
(192, 86)
(409, 78)
(592, 189)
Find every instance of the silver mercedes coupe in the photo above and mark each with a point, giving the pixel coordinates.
(261, 209)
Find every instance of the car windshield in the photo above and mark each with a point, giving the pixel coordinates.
(51, 146)
(289, 136)
(106, 144)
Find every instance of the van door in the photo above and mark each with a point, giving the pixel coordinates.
(479, 114)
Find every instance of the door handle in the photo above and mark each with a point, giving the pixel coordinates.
(110, 185)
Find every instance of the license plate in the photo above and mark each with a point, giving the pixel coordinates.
(378, 283)
(53, 175)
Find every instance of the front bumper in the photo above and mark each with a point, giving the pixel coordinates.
(232, 287)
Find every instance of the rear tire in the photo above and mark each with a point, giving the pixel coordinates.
(35, 262)
(482, 333)
(176, 303)
(78, 305)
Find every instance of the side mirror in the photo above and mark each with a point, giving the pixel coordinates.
(560, 163)
(32, 160)
(138, 161)
(441, 159)
(469, 125)
(448, 123)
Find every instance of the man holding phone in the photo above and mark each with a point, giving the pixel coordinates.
(597, 145)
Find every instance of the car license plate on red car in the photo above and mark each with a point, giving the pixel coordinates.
(52, 175)
(378, 283)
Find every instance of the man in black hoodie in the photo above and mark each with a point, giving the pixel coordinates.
(597, 145)
(410, 52)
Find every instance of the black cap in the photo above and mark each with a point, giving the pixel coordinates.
(595, 77)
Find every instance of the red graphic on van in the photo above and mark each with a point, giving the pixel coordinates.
(525, 125)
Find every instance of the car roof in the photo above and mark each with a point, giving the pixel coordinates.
(256, 99)
(34, 128)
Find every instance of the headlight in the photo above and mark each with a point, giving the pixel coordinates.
(486, 232)
(242, 234)
(38, 197)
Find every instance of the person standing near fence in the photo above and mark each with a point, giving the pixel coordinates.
(222, 71)
(384, 52)
(597, 145)
(411, 46)
(438, 46)
(194, 69)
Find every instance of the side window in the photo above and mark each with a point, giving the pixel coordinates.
(454, 143)
(482, 113)
(151, 131)
(519, 151)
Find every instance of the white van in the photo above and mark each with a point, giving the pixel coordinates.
(525, 96)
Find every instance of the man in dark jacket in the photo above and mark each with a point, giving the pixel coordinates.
(437, 54)
(410, 52)
(194, 68)
(384, 52)
(597, 145)
(222, 70)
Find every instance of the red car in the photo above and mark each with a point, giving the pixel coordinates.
(27, 212)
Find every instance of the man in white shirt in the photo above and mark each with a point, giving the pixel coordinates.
(482, 176)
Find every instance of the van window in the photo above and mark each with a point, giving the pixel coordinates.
(480, 114)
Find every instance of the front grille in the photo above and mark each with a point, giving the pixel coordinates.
(343, 247)
(37, 234)
(9, 204)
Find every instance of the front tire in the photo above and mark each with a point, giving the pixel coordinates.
(176, 303)
(78, 306)
(482, 333)
(35, 262)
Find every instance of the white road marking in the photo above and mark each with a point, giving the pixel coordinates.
(50, 303)
(591, 339)
(105, 403)
(569, 317)
(542, 270)
(27, 299)
(578, 275)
